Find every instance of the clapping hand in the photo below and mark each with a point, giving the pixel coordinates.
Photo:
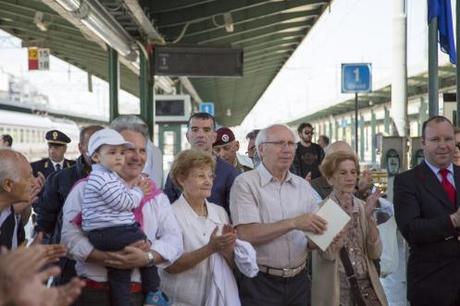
(365, 182)
(372, 202)
(52, 252)
(22, 279)
(224, 242)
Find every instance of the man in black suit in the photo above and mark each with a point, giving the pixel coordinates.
(57, 146)
(428, 216)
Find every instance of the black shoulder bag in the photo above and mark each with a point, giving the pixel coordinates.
(351, 276)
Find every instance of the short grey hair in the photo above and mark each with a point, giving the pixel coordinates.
(131, 123)
(8, 164)
(262, 136)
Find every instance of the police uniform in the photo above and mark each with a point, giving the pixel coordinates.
(45, 165)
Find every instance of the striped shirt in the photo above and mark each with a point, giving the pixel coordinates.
(108, 201)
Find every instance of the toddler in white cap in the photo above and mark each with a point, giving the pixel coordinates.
(107, 212)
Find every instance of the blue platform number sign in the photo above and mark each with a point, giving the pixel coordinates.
(356, 78)
(207, 107)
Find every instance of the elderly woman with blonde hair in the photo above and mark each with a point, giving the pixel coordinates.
(345, 274)
(208, 238)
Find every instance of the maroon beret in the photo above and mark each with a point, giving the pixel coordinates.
(224, 136)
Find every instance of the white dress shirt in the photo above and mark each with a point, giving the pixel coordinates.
(159, 225)
(257, 197)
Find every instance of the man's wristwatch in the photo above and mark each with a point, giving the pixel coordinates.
(149, 258)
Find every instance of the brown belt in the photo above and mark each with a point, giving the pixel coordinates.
(282, 272)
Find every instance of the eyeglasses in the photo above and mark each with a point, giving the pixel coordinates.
(281, 144)
(309, 133)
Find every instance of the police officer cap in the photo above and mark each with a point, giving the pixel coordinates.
(57, 137)
(224, 136)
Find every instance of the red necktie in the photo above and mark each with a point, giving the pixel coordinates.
(448, 188)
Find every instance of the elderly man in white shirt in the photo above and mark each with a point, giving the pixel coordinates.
(155, 216)
(271, 208)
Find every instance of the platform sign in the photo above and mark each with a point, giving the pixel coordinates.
(38, 58)
(207, 107)
(43, 59)
(356, 78)
(32, 56)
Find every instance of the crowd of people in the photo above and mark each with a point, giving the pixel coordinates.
(226, 229)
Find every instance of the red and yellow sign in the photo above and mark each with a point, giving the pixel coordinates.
(33, 58)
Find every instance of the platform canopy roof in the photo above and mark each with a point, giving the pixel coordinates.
(268, 30)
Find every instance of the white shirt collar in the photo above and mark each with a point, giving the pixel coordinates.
(60, 163)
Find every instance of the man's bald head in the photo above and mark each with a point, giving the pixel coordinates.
(16, 179)
(9, 159)
(337, 146)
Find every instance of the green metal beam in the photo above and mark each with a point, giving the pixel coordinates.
(146, 92)
(290, 47)
(29, 6)
(251, 33)
(265, 36)
(208, 30)
(273, 37)
(305, 7)
(22, 12)
(266, 63)
(255, 57)
(114, 82)
(32, 32)
(203, 11)
(270, 43)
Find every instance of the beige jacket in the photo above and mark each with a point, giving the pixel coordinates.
(325, 276)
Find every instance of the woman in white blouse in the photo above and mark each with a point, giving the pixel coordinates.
(205, 233)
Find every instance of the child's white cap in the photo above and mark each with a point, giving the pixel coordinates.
(106, 137)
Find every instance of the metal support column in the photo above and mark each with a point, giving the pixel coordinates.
(356, 122)
(399, 71)
(361, 138)
(146, 92)
(336, 130)
(329, 134)
(373, 132)
(386, 122)
(114, 82)
(422, 115)
(433, 81)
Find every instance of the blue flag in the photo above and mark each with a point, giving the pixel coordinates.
(442, 9)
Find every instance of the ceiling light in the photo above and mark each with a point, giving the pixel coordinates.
(228, 21)
(94, 16)
(39, 21)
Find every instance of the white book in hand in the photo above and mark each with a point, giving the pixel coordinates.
(336, 219)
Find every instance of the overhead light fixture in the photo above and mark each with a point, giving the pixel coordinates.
(228, 22)
(39, 20)
(94, 16)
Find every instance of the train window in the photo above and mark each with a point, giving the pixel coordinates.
(14, 133)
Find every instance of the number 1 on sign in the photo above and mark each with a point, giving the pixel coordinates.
(356, 73)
